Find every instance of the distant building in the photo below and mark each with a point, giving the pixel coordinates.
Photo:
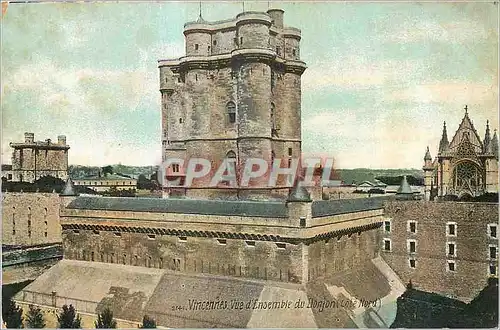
(7, 172)
(367, 185)
(464, 167)
(32, 159)
(107, 182)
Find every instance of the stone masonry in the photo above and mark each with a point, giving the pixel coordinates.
(235, 94)
(32, 159)
(436, 225)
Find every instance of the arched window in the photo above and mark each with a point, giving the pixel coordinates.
(231, 111)
(231, 154)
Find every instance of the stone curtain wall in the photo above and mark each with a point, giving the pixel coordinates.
(239, 258)
(342, 253)
(30, 219)
(472, 260)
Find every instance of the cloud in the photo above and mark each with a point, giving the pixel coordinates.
(456, 32)
(452, 93)
(356, 72)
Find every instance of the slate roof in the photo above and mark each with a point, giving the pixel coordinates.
(299, 193)
(69, 189)
(341, 206)
(404, 188)
(184, 206)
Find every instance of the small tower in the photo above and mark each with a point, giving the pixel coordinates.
(487, 140)
(428, 173)
(68, 193)
(299, 204)
(490, 158)
(444, 143)
(494, 145)
(404, 191)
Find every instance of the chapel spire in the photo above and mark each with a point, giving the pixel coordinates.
(444, 143)
(487, 139)
(494, 144)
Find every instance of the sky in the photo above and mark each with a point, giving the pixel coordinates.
(381, 77)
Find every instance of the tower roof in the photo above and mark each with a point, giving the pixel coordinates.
(467, 127)
(443, 144)
(494, 144)
(487, 139)
(427, 154)
(299, 193)
(404, 188)
(69, 189)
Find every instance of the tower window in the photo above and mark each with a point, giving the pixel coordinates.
(387, 226)
(412, 263)
(493, 252)
(412, 246)
(180, 120)
(231, 111)
(281, 246)
(241, 41)
(451, 249)
(493, 270)
(196, 46)
(208, 48)
(492, 230)
(451, 265)
(451, 229)
(215, 42)
(294, 52)
(289, 151)
(412, 227)
(387, 244)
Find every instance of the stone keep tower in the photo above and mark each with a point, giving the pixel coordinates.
(464, 167)
(236, 94)
(32, 160)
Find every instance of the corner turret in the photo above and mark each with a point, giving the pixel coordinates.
(404, 191)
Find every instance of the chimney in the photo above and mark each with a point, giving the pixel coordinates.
(61, 139)
(29, 137)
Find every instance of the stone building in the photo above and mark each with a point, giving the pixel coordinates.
(465, 167)
(450, 248)
(107, 182)
(236, 94)
(218, 259)
(32, 159)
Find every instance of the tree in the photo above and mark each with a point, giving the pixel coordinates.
(68, 319)
(107, 170)
(34, 318)
(105, 320)
(148, 323)
(12, 315)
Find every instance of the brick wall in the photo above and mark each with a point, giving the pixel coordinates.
(431, 272)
